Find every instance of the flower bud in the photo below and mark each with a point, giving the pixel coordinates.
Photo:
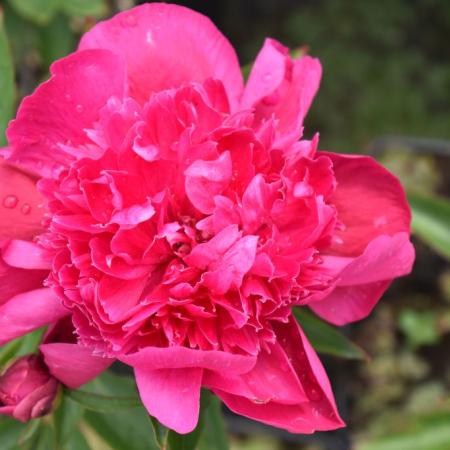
(27, 389)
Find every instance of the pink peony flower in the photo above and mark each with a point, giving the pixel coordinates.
(179, 216)
(27, 390)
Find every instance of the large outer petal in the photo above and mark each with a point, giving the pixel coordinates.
(370, 202)
(27, 311)
(168, 377)
(284, 87)
(73, 364)
(61, 109)
(166, 46)
(311, 409)
(374, 247)
(21, 205)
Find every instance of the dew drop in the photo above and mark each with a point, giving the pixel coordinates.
(26, 209)
(267, 77)
(10, 201)
(79, 108)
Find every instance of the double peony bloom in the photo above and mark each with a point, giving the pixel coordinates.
(158, 212)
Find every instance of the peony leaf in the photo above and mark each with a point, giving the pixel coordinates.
(66, 418)
(94, 8)
(214, 436)
(431, 221)
(101, 403)
(418, 433)
(77, 442)
(326, 338)
(37, 11)
(7, 87)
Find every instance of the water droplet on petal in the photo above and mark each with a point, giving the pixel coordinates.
(267, 77)
(10, 201)
(79, 108)
(26, 209)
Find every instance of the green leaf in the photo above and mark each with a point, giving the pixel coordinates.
(431, 221)
(101, 403)
(37, 11)
(7, 86)
(66, 418)
(10, 432)
(19, 347)
(420, 327)
(214, 436)
(125, 429)
(326, 338)
(83, 8)
(77, 442)
(418, 433)
(56, 40)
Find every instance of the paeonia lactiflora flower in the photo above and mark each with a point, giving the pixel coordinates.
(173, 218)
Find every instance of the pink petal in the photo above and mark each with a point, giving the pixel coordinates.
(283, 87)
(172, 396)
(20, 204)
(166, 46)
(206, 179)
(73, 364)
(62, 108)
(362, 282)
(370, 202)
(350, 303)
(28, 311)
(154, 358)
(317, 411)
(27, 255)
(15, 281)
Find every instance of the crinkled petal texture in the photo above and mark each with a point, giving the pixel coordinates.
(184, 219)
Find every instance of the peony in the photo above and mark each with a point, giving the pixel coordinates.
(174, 217)
(27, 390)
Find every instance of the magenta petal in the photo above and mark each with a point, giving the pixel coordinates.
(61, 109)
(363, 281)
(350, 303)
(73, 364)
(282, 87)
(206, 179)
(28, 311)
(153, 358)
(369, 200)
(166, 46)
(316, 411)
(26, 255)
(172, 396)
(20, 204)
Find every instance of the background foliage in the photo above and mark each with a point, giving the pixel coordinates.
(386, 91)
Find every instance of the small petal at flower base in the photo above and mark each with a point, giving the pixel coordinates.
(184, 214)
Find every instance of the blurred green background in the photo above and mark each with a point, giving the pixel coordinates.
(385, 91)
